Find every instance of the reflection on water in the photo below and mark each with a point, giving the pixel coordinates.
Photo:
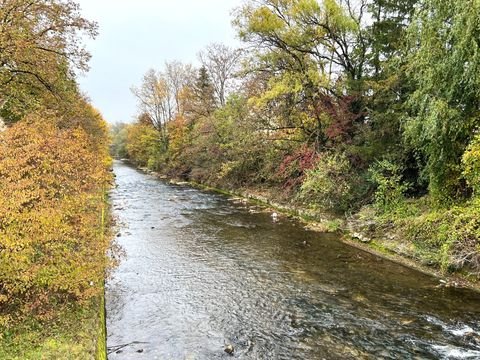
(202, 271)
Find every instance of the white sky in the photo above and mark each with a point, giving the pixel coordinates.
(142, 34)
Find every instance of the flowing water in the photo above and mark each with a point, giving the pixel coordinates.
(201, 271)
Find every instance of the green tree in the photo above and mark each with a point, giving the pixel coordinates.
(202, 96)
(444, 64)
(315, 54)
(387, 87)
(387, 33)
(118, 147)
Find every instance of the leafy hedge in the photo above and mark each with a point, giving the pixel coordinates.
(52, 243)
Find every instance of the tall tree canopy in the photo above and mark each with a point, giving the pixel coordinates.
(40, 49)
(222, 63)
(444, 63)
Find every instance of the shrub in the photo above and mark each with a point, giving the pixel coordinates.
(447, 237)
(471, 165)
(329, 183)
(293, 168)
(52, 243)
(387, 178)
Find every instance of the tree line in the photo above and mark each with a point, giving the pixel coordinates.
(53, 165)
(340, 104)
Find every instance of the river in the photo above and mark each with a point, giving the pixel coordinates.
(202, 271)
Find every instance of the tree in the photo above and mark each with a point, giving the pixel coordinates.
(221, 63)
(39, 50)
(387, 33)
(179, 77)
(201, 102)
(387, 86)
(52, 239)
(155, 99)
(161, 96)
(118, 146)
(142, 145)
(315, 55)
(328, 32)
(444, 64)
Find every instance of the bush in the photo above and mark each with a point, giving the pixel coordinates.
(447, 237)
(330, 183)
(471, 165)
(387, 178)
(52, 243)
(294, 167)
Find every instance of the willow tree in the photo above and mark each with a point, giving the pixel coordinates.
(445, 108)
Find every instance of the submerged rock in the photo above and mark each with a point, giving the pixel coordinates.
(229, 349)
(447, 284)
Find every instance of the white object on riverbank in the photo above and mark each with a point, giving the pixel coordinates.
(275, 217)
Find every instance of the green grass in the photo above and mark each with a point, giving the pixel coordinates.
(102, 333)
(445, 237)
(77, 333)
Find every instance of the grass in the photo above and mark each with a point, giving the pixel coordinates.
(77, 333)
(102, 333)
(444, 237)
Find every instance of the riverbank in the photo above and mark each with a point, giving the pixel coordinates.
(388, 235)
(78, 332)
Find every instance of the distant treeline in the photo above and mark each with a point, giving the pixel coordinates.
(336, 104)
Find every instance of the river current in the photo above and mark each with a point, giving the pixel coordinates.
(202, 271)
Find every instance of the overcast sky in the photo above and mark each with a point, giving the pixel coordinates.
(142, 34)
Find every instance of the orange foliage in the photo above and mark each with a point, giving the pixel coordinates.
(178, 136)
(52, 237)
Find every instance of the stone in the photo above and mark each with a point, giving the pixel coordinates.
(274, 217)
(361, 237)
(229, 349)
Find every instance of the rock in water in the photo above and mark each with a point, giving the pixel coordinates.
(362, 238)
(229, 349)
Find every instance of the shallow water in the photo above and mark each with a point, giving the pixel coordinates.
(201, 271)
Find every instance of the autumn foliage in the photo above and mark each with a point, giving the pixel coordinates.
(363, 108)
(52, 234)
